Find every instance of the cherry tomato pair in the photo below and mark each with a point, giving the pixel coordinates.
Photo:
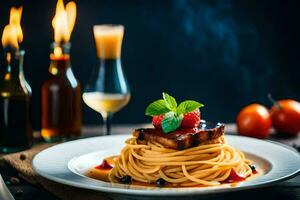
(255, 120)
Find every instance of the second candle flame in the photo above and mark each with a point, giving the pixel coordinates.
(64, 21)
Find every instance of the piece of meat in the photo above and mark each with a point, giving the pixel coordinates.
(181, 139)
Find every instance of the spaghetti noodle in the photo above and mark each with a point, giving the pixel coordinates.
(206, 164)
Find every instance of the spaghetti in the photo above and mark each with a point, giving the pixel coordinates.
(206, 164)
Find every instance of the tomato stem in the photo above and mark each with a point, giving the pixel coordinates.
(274, 102)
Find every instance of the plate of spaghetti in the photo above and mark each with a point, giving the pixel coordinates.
(180, 157)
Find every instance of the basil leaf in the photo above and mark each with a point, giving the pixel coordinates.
(171, 122)
(157, 108)
(170, 101)
(188, 106)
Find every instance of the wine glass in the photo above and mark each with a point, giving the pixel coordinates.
(107, 92)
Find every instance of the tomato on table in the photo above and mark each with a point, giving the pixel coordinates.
(254, 120)
(286, 116)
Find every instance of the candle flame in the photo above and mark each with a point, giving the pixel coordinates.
(64, 21)
(12, 33)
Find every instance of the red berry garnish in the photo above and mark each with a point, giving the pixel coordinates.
(191, 119)
(156, 121)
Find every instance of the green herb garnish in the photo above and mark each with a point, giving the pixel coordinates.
(173, 113)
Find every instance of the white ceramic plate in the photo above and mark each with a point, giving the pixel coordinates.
(66, 163)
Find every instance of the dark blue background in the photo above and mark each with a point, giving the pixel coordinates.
(225, 54)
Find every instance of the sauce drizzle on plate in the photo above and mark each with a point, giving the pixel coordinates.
(101, 172)
(234, 177)
(104, 165)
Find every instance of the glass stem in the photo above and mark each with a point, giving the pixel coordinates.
(107, 123)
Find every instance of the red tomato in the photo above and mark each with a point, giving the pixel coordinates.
(254, 120)
(286, 116)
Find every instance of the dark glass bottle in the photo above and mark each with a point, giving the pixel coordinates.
(61, 98)
(15, 105)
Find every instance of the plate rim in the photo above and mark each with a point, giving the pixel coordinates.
(172, 191)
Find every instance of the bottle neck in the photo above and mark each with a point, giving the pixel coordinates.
(14, 63)
(59, 65)
(13, 79)
(60, 58)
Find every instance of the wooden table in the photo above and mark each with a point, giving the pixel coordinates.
(288, 190)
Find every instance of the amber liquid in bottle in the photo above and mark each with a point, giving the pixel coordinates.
(15, 107)
(61, 100)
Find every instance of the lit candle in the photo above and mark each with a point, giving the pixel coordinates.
(63, 24)
(61, 92)
(15, 92)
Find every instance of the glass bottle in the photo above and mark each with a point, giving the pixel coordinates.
(61, 98)
(15, 104)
